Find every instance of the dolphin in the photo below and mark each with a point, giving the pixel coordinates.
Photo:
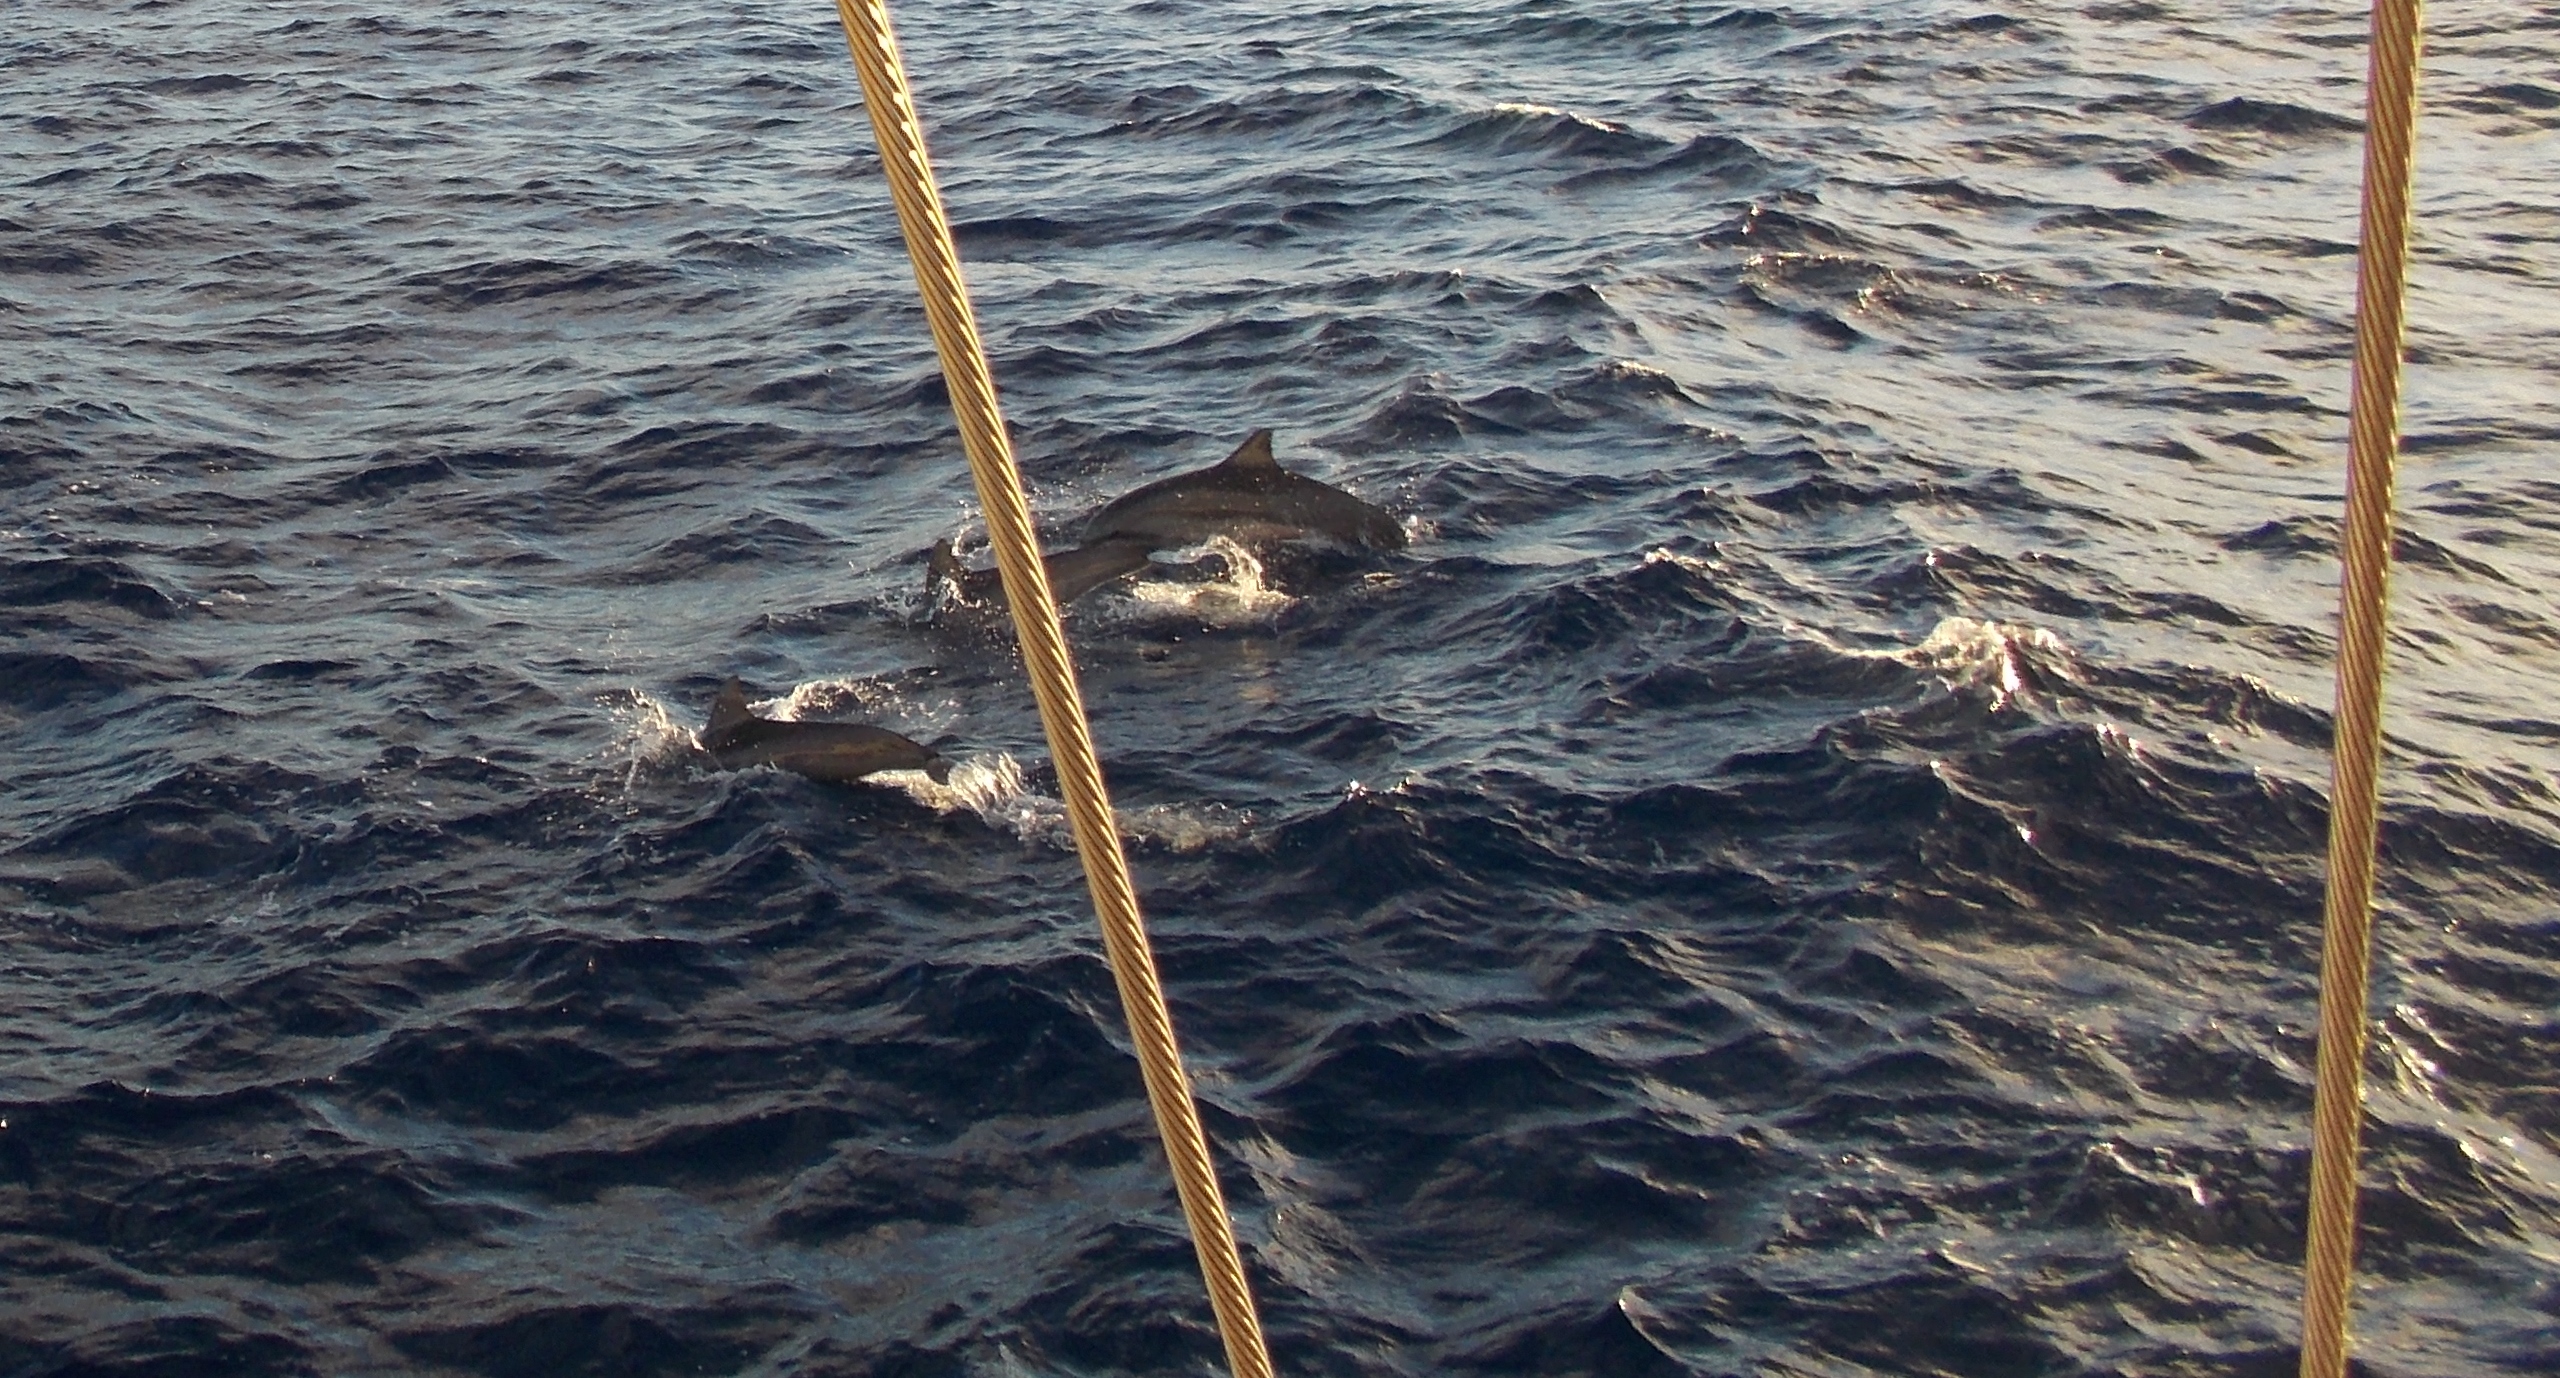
(839, 752)
(1072, 573)
(1246, 497)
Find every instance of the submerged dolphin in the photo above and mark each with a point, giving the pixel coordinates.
(1072, 573)
(1246, 497)
(840, 752)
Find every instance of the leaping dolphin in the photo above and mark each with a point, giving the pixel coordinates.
(1246, 497)
(838, 752)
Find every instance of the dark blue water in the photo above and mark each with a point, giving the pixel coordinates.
(1809, 864)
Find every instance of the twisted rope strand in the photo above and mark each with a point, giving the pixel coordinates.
(1053, 682)
(2365, 556)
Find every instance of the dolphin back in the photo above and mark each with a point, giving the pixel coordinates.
(1247, 496)
(1072, 573)
(840, 752)
(1352, 520)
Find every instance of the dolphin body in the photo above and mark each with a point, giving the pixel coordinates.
(837, 752)
(1072, 573)
(1246, 497)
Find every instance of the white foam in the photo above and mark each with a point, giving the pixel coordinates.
(1239, 596)
(1184, 828)
(1969, 653)
(646, 735)
(992, 786)
(847, 698)
(1660, 555)
(989, 784)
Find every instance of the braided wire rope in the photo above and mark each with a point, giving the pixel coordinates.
(1044, 652)
(2373, 430)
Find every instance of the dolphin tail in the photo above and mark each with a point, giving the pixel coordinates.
(1075, 573)
(937, 770)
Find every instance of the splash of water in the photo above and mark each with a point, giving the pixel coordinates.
(848, 697)
(1241, 594)
(2007, 660)
(646, 734)
(992, 785)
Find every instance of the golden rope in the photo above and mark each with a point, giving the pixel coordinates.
(2373, 430)
(1053, 681)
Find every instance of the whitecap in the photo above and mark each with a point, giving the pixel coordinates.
(1238, 596)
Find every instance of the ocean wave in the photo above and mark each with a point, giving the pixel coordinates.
(1810, 861)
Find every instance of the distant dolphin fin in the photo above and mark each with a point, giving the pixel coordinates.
(943, 565)
(1253, 456)
(728, 712)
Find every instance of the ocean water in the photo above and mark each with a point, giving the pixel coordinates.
(1808, 864)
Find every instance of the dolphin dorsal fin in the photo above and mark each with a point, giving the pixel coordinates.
(1253, 456)
(728, 711)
